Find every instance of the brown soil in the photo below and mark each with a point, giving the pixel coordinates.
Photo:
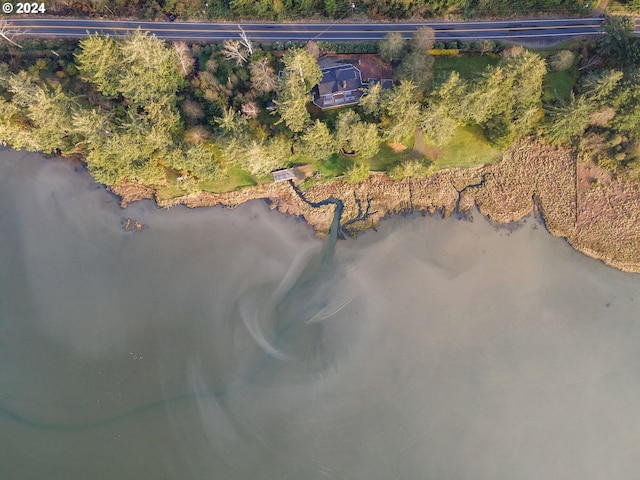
(397, 147)
(597, 213)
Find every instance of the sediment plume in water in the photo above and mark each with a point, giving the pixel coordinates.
(428, 349)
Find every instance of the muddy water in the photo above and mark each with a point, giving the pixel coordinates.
(219, 344)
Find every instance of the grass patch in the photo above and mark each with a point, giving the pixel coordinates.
(387, 158)
(468, 66)
(468, 148)
(334, 166)
(237, 178)
(172, 191)
(559, 85)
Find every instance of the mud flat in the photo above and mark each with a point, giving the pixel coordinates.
(597, 213)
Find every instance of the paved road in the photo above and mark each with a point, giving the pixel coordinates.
(502, 30)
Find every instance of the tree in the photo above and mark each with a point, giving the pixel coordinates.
(300, 66)
(141, 68)
(198, 160)
(392, 47)
(570, 119)
(486, 46)
(93, 126)
(512, 90)
(301, 73)
(402, 110)
(354, 136)
(50, 112)
(561, 61)
(313, 49)
(397, 100)
(263, 78)
(245, 41)
(417, 67)
(423, 40)
(451, 97)
(318, 142)
(235, 50)
(618, 44)
(250, 110)
(370, 102)
(292, 107)
(260, 157)
(8, 33)
(403, 127)
(230, 122)
(150, 70)
(356, 173)
(100, 61)
(13, 130)
(185, 57)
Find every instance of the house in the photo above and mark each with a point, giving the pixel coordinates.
(340, 85)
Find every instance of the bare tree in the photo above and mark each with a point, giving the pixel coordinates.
(263, 77)
(234, 50)
(185, 56)
(250, 110)
(8, 33)
(245, 41)
(423, 39)
(313, 48)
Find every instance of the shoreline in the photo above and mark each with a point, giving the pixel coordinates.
(596, 213)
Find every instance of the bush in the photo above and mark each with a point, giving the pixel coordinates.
(410, 168)
(499, 132)
(444, 53)
(561, 61)
(356, 173)
(348, 47)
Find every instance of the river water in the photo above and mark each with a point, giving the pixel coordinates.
(231, 344)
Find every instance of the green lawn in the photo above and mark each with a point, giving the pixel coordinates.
(559, 85)
(386, 158)
(166, 193)
(236, 179)
(334, 166)
(468, 66)
(468, 148)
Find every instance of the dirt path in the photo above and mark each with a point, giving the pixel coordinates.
(601, 8)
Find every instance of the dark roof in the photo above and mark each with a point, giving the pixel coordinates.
(340, 85)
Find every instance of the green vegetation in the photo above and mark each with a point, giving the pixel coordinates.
(468, 147)
(467, 66)
(289, 9)
(184, 118)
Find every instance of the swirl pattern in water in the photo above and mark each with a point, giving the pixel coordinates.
(232, 344)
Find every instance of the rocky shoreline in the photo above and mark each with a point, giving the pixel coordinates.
(595, 212)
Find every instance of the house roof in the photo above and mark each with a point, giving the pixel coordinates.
(340, 85)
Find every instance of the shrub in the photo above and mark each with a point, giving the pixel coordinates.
(356, 173)
(561, 61)
(446, 52)
(410, 168)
